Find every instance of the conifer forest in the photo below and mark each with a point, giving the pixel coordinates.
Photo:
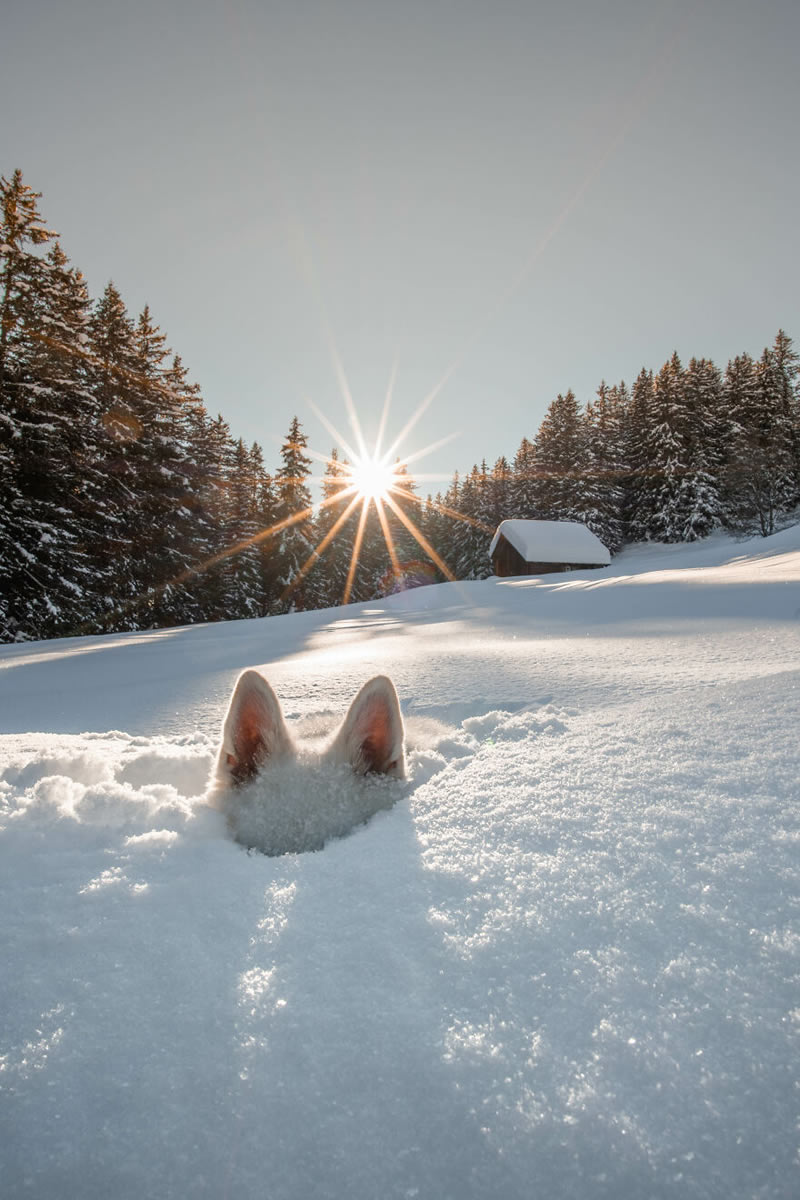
(124, 504)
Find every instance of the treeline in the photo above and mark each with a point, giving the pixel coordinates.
(682, 452)
(125, 505)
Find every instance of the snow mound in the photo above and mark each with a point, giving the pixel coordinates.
(110, 781)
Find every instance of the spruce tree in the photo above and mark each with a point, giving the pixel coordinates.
(294, 540)
(46, 428)
(642, 481)
(607, 466)
(563, 491)
(704, 439)
(328, 577)
(23, 274)
(243, 566)
(114, 384)
(522, 497)
(760, 478)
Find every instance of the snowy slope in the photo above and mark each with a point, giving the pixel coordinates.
(565, 964)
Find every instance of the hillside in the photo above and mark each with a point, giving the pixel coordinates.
(564, 964)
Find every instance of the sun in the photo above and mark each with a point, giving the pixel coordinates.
(373, 478)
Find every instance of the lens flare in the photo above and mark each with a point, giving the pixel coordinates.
(373, 478)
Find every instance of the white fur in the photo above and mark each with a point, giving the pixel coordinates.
(280, 799)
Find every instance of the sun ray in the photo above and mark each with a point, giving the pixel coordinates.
(347, 395)
(452, 512)
(319, 550)
(387, 536)
(385, 414)
(421, 408)
(319, 456)
(420, 538)
(333, 431)
(295, 518)
(354, 557)
(409, 458)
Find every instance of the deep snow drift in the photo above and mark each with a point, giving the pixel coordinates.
(565, 963)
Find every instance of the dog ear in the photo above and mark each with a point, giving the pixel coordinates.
(254, 729)
(371, 736)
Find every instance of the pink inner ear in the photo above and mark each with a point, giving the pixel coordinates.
(249, 740)
(376, 741)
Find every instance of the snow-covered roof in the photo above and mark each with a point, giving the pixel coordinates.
(552, 541)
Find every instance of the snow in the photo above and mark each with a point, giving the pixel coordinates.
(552, 542)
(563, 963)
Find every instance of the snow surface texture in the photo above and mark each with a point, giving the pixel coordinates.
(564, 964)
(552, 542)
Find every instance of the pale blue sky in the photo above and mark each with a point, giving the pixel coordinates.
(540, 194)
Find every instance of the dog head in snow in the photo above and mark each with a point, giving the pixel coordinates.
(280, 797)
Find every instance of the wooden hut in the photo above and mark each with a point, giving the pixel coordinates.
(541, 547)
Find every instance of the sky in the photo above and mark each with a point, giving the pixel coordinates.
(486, 204)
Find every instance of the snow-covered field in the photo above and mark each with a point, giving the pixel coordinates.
(565, 964)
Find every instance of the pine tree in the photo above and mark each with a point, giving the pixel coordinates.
(113, 385)
(443, 522)
(760, 478)
(22, 275)
(607, 466)
(704, 438)
(522, 499)
(562, 453)
(265, 514)
(408, 552)
(780, 379)
(211, 452)
(46, 431)
(328, 578)
(159, 527)
(499, 490)
(243, 566)
(294, 541)
(642, 482)
(473, 535)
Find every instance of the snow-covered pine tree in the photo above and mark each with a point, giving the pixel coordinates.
(407, 549)
(242, 566)
(499, 489)
(46, 432)
(294, 540)
(211, 452)
(442, 525)
(114, 385)
(704, 439)
(265, 516)
(522, 499)
(659, 508)
(780, 379)
(786, 369)
(473, 535)
(667, 437)
(23, 274)
(327, 579)
(760, 478)
(565, 490)
(642, 482)
(607, 467)
(159, 526)
(61, 453)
